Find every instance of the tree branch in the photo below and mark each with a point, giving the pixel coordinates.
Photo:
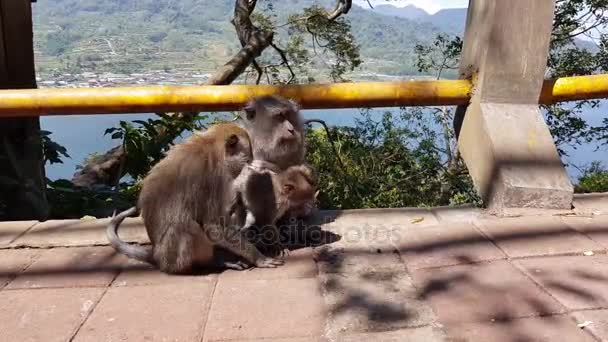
(106, 169)
(342, 7)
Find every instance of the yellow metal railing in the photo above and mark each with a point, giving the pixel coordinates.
(33, 102)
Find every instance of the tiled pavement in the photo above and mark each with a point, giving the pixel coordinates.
(443, 274)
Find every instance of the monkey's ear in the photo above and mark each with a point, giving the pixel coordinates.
(249, 112)
(232, 141)
(294, 105)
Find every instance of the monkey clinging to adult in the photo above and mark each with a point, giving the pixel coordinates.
(264, 196)
(185, 201)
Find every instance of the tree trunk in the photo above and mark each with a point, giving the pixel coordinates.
(22, 177)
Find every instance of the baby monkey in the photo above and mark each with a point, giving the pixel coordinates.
(264, 196)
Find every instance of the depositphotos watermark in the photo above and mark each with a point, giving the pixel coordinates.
(298, 232)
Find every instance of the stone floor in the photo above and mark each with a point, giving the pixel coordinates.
(443, 274)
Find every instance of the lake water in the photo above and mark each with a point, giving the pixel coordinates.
(84, 134)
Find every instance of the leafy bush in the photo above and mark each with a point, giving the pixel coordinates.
(391, 162)
(593, 179)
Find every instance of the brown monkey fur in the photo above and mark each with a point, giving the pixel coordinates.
(276, 130)
(265, 196)
(185, 200)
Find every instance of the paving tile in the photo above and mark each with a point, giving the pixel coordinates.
(174, 312)
(137, 273)
(56, 233)
(13, 261)
(298, 264)
(591, 203)
(551, 328)
(358, 218)
(46, 314)
(70, 267)
(596, 227)
(288, 339)
(366, 288)
(381, 300)
(444, 245)
(578, 282)
(423, 334)
(265, 309)
(481, 292)
(462, 213)
(536, 236)
(358, 260)
(599, 322)
(10, 230)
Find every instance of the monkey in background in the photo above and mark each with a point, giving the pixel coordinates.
(185, 201)
(264, 196)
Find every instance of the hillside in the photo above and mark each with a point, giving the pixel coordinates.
(451, 20)
(409, 12)
(131, 36)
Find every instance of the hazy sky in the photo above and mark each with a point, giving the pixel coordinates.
(430, 6)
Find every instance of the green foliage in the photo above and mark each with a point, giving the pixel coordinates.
(145, 141)
(390, 162)
(333, 37)
(70, 202)
(443, 54)
(593, 179)
(52, 151)
(568, 57)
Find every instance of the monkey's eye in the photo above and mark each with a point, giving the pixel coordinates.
(288, 188)
(249, 112)
(232, 141)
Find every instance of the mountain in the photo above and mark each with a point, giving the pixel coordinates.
(450, 20)
(130, 36)
(409, 12)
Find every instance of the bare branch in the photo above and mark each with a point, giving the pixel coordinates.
(259, 70)
(342, 7)
(285, 61)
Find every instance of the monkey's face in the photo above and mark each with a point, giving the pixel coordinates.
(238, 153)
(298, 186)
(275, 127)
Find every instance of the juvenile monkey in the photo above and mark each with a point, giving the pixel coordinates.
(276, 130)
(185, 201)
(266, 196)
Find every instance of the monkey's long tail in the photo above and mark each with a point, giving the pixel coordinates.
(132, 251)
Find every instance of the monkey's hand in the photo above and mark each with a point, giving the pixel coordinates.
(238, 265)
(268, 263)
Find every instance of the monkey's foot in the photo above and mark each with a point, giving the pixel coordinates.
(268, 263)
(276, 249)
(238, 265)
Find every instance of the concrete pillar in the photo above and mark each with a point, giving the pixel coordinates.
(502, 135)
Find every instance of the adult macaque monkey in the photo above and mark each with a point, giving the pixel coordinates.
(276, 130)
(185, 201)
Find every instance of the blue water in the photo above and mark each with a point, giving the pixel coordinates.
(84, 134)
